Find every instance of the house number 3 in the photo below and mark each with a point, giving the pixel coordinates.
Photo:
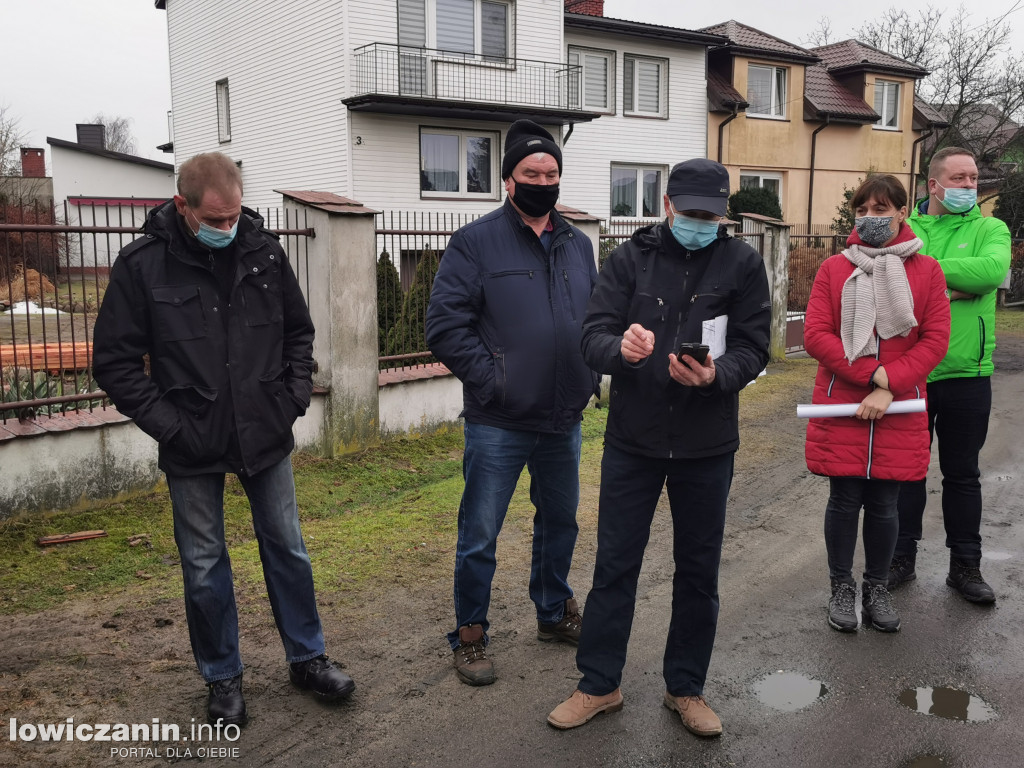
(359, 140)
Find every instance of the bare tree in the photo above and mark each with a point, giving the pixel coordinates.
(822, 33)
(117, 133)
(976, 81)
(12, 138)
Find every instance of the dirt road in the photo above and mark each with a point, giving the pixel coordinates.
(410, 710)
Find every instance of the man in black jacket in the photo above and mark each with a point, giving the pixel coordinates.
(208, 294)
(672, 420)
(505, 315)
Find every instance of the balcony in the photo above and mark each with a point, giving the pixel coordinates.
(405, 80)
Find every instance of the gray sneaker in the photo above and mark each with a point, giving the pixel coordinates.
(842, 608)
(877, 608)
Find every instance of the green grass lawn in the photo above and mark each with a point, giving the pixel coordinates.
(1010, 320)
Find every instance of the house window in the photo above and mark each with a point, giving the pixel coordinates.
(887, 104)
(763, 179)
(766, 91)
(597, 69)
(637, 191)
(479, 27)
(458, 163)
(223, 112)
(643, 86)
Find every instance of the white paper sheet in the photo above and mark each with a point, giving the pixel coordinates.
(809, 411)
(713, 334)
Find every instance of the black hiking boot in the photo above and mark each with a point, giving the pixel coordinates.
(967, 580)
(877, 609)
(225, 703)
(901, 570)
(842, 607)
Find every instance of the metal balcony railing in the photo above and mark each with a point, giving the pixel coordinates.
(448, 76)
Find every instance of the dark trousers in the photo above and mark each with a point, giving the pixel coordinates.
(958, 411)
(630, 488)
(881, 524)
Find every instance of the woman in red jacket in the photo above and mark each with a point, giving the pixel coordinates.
(877, 322)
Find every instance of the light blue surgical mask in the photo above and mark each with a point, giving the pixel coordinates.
(215, 238)
(957, 200)
(693, 234)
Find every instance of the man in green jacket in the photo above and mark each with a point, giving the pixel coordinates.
(974, 253)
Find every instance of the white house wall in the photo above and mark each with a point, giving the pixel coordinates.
(593, 147)
(285, 64)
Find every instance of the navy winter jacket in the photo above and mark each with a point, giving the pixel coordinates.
(652, 280)
(505, 317)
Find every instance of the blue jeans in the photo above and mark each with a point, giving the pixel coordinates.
(493, 461)
(881, 524)
(197, 503)
(630, 488)
(958, 411)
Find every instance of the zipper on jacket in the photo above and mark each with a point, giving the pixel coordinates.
(871, 446)
(981, 342)
(568, 295)
(831, 384)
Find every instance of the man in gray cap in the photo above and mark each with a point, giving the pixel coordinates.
(680, 318)
(504, 316)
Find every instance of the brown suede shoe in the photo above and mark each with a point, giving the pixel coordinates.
(471, 662)
(695, 713)
(580, 707)
(567, 630)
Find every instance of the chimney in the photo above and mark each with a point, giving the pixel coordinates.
(91, 135)
(587, 7)
(33, 163)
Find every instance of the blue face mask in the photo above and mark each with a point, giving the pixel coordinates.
(693, 234)
(957, 200)
(215, 238)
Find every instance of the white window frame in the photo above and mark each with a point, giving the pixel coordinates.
(431, 9)
(581, 53)
(223, 111)
(761, 176)
(640, 169)
(773, 95)
(462, 194)
(662, 64)
(886, 85)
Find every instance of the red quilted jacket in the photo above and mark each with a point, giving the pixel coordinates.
(895, 447)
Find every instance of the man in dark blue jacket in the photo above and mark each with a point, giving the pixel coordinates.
(672, 420)
(209, 296)
(505, 316)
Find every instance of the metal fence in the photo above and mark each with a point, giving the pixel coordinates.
(807, 252)
(1014, 295)
(54, 270)
(409, 249)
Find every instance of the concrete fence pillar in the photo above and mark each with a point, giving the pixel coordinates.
(775, 252)
(343, 304)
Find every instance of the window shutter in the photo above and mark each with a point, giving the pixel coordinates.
(412, 23)
(595, 70)
(455, 25)
(494, 30)
(759, 90)
(892, 102)
(628, 103)
(649, 87)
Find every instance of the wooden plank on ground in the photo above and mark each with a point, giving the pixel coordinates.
(52, 357)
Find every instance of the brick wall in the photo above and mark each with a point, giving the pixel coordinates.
(33, 163)
(588, 7)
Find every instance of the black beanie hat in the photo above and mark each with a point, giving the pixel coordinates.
(525, 137)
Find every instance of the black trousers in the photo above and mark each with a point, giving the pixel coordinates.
(630, 487)
(958, 412)
(881, 524)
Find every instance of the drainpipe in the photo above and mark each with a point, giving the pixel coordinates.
(565, 139)
(913, 165)
(810, 183)
(721, 128)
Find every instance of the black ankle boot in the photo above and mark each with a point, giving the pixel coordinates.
(901, 570)
(225, 702)
(967, 580)
(877, 609)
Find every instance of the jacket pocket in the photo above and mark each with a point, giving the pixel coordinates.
(178, 312)
(205, 431)
(500, 380)
(281, 408)
(261, 296)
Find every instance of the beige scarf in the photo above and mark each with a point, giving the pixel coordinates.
(876, 296)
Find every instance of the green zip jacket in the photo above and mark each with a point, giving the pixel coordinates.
(974, 253)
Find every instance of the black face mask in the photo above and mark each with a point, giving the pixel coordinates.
(535, 199)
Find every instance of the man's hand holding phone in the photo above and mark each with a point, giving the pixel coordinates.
(692, 365)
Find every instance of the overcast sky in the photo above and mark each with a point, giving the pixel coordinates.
(62, 61)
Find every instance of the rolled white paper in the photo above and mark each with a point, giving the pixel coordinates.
(814, 411)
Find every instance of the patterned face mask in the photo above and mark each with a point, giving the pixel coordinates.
(874, 231)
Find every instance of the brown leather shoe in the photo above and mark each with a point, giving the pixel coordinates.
(471, 662)
(695, 713)
(567, 630)
(581, 707)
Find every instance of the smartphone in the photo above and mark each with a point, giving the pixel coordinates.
(698, 352)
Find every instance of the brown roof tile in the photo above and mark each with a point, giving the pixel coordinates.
(752, 40)
(327, 201)
(826, 96)
(722, 97)
(853, 54)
